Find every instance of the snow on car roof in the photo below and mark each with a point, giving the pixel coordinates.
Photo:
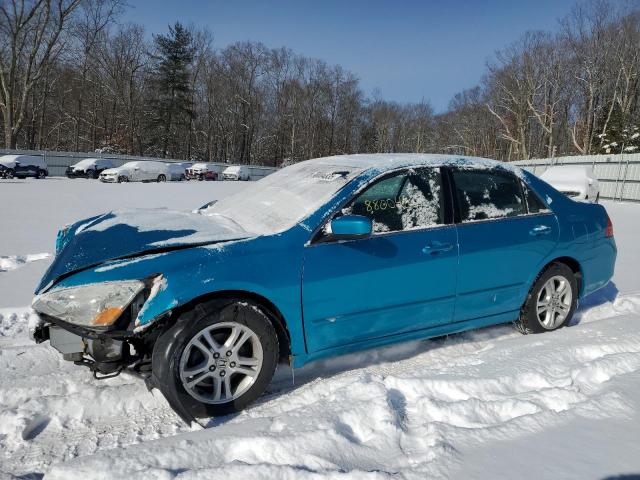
(11, 158)
(86, 162)
(391, 161)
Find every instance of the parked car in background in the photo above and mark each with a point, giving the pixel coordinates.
(575, 181)
(89, 168)
(178, 170)
(374, 249)
(204, 171)
(236, 172)
(22, 166)
(139, 171)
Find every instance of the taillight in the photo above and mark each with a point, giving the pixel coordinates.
(608, 233)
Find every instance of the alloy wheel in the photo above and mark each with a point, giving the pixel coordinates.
(554, 302)
(221, 362)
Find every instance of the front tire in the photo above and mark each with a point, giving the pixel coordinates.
(9, 173)
(217, 359)
(551, 302)
(162, 178)
(123, 179)
(41, 174)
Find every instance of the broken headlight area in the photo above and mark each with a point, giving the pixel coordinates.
(92, 325)
(94, 305)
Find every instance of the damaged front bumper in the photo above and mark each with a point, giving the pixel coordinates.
(105, 353)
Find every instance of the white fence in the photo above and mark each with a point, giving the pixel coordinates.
(619, 175)
(57, 162)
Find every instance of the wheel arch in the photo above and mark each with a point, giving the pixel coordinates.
(570, 262)
(273, 313)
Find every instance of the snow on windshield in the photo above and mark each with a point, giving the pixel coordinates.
(284, 198)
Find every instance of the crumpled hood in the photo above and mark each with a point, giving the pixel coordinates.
(133, 232)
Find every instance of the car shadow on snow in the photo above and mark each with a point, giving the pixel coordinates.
(606, 294)
(286, 380)
(626, 476)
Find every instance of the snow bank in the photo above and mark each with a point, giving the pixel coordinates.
(12, 262)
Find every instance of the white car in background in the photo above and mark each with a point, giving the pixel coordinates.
(178, 170)
(575, 181)
(140, 171)
(236, 172)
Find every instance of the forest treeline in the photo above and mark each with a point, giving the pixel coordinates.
(75, 76)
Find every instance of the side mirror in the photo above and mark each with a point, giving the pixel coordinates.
(351, 227)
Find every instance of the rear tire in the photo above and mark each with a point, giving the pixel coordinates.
(162, 178)
(41, 174)
(9, 173)
(223, 378)
(551, 302)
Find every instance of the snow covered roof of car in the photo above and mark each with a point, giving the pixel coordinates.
(87, 162)
(391, 161)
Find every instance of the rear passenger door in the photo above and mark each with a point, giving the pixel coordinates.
(504, 233)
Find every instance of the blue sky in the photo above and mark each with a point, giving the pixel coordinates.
(408, 50)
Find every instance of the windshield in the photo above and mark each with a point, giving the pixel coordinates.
(284, 198)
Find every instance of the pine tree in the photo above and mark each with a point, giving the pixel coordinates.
(621, 136)
(171, 107)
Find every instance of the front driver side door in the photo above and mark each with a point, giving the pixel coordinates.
(400, 279)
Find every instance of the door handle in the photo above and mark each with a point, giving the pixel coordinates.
(540, 230)
(435, 247)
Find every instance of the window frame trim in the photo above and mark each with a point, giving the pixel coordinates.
(447, 198)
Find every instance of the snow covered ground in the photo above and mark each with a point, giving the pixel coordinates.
(489, 403)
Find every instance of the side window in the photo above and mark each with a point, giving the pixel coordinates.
(404, 201)
(533, 201)
(487, 194)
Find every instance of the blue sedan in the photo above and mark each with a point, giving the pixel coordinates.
(321, 258)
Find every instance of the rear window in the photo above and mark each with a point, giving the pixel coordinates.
(487, 194)
(534, 204)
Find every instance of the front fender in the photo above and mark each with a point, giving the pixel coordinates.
(268, 266)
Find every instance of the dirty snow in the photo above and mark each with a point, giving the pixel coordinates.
(490, 403)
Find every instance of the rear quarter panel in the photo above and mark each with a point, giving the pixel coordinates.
(582, 236)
